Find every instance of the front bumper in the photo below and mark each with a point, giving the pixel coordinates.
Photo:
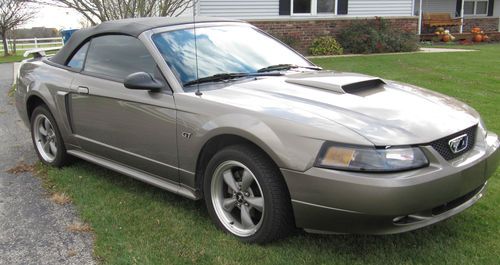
(333, 201)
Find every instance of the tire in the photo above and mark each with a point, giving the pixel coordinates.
(258, 214)
(45, 133)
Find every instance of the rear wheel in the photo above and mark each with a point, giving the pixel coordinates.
(246, 195)
(47, 138)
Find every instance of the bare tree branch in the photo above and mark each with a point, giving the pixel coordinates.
(13, 13)
(97, 11)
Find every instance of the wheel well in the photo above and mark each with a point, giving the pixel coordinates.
(32, 103)
(212, 146)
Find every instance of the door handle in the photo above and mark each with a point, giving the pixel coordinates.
(82, 90)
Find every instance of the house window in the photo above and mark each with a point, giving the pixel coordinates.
(326, 6)
(476, 8)
(301, 6)
(313, 7)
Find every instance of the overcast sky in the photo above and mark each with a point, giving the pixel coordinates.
(55, 17)
(61, 18)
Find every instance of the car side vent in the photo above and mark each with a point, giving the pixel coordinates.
(362, 86)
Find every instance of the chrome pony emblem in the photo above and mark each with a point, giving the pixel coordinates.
(458, 144)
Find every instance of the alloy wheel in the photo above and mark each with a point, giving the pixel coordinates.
(45, 138)
(237, 198)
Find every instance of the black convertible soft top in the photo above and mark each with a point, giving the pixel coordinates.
(131, 26)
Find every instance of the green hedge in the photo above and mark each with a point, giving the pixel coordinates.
(376, 37)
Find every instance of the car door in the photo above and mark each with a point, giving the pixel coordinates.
(136, 128)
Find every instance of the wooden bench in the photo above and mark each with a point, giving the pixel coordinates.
(440, 20)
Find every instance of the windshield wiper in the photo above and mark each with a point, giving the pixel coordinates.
(227, 76)
(282, 67)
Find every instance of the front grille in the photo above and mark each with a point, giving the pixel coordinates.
(443, 148)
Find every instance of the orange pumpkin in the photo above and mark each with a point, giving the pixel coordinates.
(476, 30)
(478, 38)
(486, 38)
(446, 38)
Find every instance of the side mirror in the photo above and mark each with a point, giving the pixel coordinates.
(142, 81)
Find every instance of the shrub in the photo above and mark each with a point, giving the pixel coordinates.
(326, 45)
(376, 37)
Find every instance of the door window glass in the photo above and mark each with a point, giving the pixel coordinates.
(118, 56)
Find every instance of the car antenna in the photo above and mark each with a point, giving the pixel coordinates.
(198, 92)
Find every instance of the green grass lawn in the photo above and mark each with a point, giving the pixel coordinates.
(11, 58)
(18, 56)
(138, 224)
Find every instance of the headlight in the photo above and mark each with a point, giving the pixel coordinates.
(370, 159)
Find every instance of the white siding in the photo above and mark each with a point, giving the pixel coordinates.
(240, 8)
(270, 8)
(496, 9)
(380, 8)
(437, 6)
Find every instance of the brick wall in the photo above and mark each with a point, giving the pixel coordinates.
(487, 24)
(301, 33)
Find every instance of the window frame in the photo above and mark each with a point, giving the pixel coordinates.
(475, 14)
(168, 89)
(314, 10)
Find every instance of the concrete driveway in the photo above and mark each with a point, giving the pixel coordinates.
(33, 229)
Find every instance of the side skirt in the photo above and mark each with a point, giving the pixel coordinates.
(139, 175)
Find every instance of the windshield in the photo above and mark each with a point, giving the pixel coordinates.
(222, 49)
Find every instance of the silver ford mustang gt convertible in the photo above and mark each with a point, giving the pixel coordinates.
(219, 110)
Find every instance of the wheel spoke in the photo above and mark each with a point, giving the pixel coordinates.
(46, 147)
(256, 202)
(42, 130)
(228, 204)
(246, 220)
(229, 179)
(53, 148)
(246, 181)
(46, 124)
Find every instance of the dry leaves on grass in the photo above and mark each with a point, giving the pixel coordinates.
(78, 227)
(60, 198)
(21, 168)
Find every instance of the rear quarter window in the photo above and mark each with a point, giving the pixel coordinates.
(78, 58)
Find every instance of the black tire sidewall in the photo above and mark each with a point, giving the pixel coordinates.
(61, 155)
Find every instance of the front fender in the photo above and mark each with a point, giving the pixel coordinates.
(279, 138)
(255, 131)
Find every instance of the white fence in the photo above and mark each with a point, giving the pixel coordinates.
(27, 44)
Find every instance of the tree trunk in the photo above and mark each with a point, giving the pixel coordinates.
(5, 46)
(14, 41)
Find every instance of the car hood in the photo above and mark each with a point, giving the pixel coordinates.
(384, 112)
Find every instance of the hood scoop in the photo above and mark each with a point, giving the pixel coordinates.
(343, 84)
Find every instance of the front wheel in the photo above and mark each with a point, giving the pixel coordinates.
(246, 195)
